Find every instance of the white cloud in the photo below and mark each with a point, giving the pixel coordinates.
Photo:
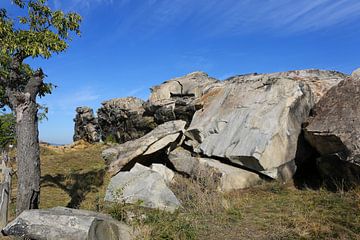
(238, 16)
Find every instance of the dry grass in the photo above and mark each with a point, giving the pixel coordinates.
(77, 178)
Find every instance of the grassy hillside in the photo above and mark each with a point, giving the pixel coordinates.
(76, 177)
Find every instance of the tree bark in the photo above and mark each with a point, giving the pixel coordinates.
(28, 156)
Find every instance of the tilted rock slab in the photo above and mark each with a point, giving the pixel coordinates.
(144, 186)
(226, 177)
(160, 138)
(67, 224)
(121, 119)
(255, 120)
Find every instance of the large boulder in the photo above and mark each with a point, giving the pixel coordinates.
(178, 98)
(143, 186)
(122, 119)
(191, 85)
(333, 129)
(67, 224)
(161, 138)
(86, 125)
(255, 120)
(226, 177)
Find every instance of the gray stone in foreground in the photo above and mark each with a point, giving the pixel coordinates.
(164, 171)
(160, 138)
(67, 224)
(144, 186)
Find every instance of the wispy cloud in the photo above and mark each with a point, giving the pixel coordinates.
(76, 5)
(238, 16)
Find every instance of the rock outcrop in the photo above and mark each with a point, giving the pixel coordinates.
(122, 120)
(191, 85)
(164, 136)
(86, 125)
(67, 224)
(226, 177)
(245, 129)
(144, 186)
(255, 120)
(333, 128)
(177, 99)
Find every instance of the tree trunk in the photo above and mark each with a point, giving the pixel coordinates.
(28, 156)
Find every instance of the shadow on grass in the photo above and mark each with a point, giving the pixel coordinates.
(77, 185)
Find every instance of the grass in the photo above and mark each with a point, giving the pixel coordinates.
(77, 178)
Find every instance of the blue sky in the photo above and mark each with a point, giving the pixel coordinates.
(127, 46)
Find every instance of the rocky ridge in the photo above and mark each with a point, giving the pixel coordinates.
(240, 131)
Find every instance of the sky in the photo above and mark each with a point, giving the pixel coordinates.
(127, 46)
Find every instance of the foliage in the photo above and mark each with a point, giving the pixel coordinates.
(41, 32)
(7, 129)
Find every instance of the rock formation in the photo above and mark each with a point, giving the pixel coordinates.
(255, 120)
(86, 126)
(140, 150)
(67, 224)
(243, 130)
(333, 129)
(226, 177)
(122, 120)
(191, 85)
(177, 99)
(144, 186)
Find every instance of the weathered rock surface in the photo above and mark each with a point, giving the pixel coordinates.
(334, 127)
(122, 119)
(177, 108)
(67, 224)
(227, 177)
(86, 125)
(144, 186)
(167, 174)
(162, 137)
(191, 85)
(255, 120)
(177, 99)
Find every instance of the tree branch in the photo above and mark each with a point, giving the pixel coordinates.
(34, 84)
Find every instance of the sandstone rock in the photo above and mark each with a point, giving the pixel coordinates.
(122, 119)
(227, 177)
(144, 186)
(255, 120)
(191, 85)
(334, 126)
(130, 152)
(67, 224)
(86, 125)
(167, 174)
